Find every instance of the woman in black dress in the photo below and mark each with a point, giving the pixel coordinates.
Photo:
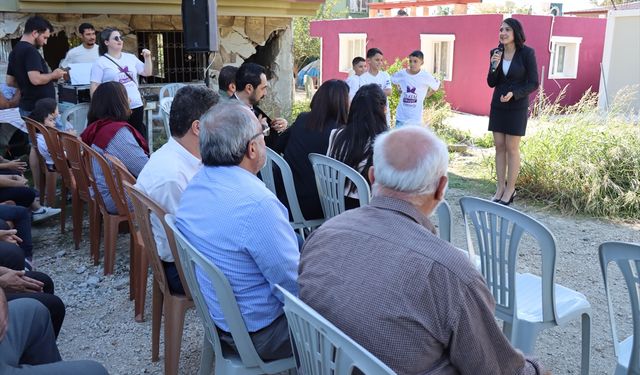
(310, 134)
(513, 74)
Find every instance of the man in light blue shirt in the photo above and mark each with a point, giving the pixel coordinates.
(228, 214)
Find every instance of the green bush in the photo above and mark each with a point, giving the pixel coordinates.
(299, 107)
(584, 161)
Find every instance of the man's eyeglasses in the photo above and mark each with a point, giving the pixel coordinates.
(117, 38)
(266, 130)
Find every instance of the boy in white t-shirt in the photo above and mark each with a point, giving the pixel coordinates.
(415, 85)
(375, 61)
(359, 68)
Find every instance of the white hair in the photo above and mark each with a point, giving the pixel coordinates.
(422, 175)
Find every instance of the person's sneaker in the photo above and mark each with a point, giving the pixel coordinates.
(43, 213)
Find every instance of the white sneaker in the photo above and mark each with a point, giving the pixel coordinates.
(43, 213)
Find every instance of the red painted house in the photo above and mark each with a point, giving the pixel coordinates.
(568, 50)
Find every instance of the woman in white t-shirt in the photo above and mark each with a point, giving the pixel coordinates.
(117, 66)
(352, 144)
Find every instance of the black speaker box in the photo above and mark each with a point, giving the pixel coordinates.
(200, 25)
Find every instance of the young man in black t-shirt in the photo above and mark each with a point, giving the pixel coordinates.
(27, 69)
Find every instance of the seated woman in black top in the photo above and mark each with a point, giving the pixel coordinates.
(310, 134)
(353, 144)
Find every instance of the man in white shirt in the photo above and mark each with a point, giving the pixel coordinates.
(375, 74)
(353, 81)
(171, 167)
(414, 85)
(87, 52)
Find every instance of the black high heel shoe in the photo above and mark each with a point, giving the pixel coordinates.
(496, 200)
(510, 200)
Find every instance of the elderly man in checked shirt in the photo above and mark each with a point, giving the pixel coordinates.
(380, 274)
(229, 215)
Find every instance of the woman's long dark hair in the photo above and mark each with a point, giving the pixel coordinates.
(518, 32)
(104, 36)
(109, 102)
(354, 143)
(330, 103)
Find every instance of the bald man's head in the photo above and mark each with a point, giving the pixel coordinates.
(410, 160)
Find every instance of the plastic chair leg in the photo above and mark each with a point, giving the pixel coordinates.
(133, 267)
(586, 344)
(110, 238)
(63, 207)
(76, 216)
(206, 358)
(524, 336)
(94, 231)
(173, 326)
(156, 320)
(51, 179)
(142, 274)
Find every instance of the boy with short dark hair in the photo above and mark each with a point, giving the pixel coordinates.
(415, 85)
(375, 74)
(359, 68)
(227, 81)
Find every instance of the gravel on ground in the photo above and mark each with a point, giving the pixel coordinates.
(100, 322)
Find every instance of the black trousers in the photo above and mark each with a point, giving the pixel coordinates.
(21, 218)
(23, 196)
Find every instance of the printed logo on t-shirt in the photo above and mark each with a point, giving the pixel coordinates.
(124, 77)
(410, 97)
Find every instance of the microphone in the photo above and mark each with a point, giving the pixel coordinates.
(494, 64)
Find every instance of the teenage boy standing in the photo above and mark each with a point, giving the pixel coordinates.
(415, 85)
(359, 68)
(375, 61)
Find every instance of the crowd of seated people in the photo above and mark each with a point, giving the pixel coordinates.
(420, 293)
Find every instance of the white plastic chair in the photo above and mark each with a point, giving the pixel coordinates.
(228, 362)
(77, 116)
(627, 257)
(170, 89)
(267, 175)
(526, 303)
(322, 348)
(331, 179)
(443, 212)
(165, 110)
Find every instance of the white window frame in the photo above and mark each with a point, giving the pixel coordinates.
(569, 59)
(345, 55)
(427, 45)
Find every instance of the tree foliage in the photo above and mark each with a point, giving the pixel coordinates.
(306, 47)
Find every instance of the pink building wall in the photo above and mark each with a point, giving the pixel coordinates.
(475, 36)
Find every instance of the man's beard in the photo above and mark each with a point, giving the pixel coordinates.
(253, 99)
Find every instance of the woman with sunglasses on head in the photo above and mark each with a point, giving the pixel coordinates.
(118, 66)
(513, 73)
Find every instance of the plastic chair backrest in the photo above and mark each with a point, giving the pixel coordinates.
(77, 116)
(331, 179)
(170, 89)
(143, 207)
(323, 348)
(31, 131)
(91, 156)
(287, 178)
(122, 175)
(499, 230)
(165, 110)
(72, 146)
(627, 257)
(191, 258)
(59, 157)
(444, 221)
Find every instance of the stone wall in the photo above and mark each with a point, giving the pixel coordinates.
(239, 39)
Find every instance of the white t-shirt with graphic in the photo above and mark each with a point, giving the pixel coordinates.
(383, 80)
(414, 90)
(353, 81)
(104, 70)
